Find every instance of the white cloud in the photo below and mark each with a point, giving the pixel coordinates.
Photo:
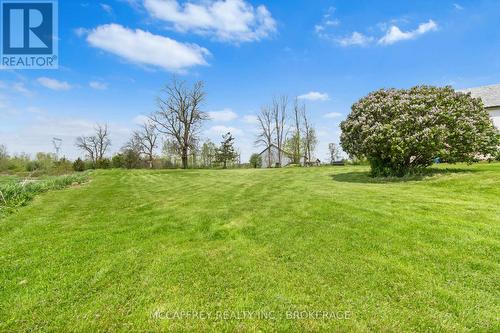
(332, 115)
(98, 85)
(142, 47)
(225, 20)
(34, 109)
(332, 23)
(54, 84)
(394, 34)
(314, 96)
(80, 32)
(458, 6)
(224, 115)
(220, 130)
(107, 8)
(356, 38)
(19, 87)
(322, 28)
(135, 4)
(319, 28)
(250, 119)
(141, 119)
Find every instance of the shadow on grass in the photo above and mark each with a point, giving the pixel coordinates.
(365, 178)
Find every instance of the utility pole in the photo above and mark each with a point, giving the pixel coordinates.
(57, 146)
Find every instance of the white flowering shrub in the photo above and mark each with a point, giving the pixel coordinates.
(401, 131)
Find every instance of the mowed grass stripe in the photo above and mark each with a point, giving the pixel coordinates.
(399, 255)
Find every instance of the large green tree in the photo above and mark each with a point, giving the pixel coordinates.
(401, 131)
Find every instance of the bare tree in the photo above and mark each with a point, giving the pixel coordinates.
(95, 146)
(334, 152)
(208, 150)
(265, 136)
(3, 152)
(309, 134)
(86, 145)
(102, 141)
(295, 140)
(179, 115)
(145, 141)
(279, 112)
(171, 151)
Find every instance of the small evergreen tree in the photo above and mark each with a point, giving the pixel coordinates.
(79, 165)
(226, 152)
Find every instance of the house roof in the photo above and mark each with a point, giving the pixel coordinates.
(282, 150)
(489, 94)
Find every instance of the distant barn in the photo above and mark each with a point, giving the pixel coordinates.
(490, 95)
(271, 154)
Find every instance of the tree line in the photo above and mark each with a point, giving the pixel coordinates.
(174, 131)
(178, 119)
(177, 123)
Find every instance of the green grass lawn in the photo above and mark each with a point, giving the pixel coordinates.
(391, 255)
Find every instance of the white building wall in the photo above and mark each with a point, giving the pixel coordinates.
(273, 151)
(495, 116)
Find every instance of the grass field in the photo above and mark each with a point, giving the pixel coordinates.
(154, 250)
(8, 179)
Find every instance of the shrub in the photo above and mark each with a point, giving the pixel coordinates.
(104, 163)
(117, 161)
(357, 161)
(401, 131)
(89, 165)
(131, 159)
(256, 161)
(17, 163)
(33, 166)
(79, 165)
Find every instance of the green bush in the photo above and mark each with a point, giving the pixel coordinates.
(89, 165)
(357, 161)
(78, 165)
(402, 131)
(117, 161)
(105, 163)
(33, 166)
(256, 161)
(62, 167)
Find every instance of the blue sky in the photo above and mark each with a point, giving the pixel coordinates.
(115, 56)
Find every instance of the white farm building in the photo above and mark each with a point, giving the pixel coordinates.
(491, 100)
(270, 157)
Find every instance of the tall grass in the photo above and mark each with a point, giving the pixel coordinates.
(17, 194)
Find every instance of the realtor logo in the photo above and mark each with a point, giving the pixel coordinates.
(29, 34)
